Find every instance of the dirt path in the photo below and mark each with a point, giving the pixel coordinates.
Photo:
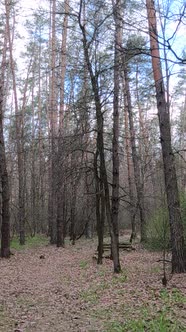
(67, 291)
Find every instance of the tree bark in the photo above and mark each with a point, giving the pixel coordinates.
(52, 204)
(171, 187)
(115, 142)
(61, 159)
(33, 169)
(5, 226)
(19, 133)
(100, 210)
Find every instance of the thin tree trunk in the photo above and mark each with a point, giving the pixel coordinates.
(33, 169)
(135, 158)
(100, 215)
(19, 137)
(85, 100)
(41, 194)
(53, 117)
(5, 213)
(61, 159)
(143, 136)
(171, 187)
(74, 183)
(129, 169)
(63, 64)
(115, 141)
(100, 143)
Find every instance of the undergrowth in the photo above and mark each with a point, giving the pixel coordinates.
(160, 323)
(30, 242)
(151, 320)
(158, 232)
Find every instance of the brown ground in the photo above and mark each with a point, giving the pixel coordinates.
(67, 291)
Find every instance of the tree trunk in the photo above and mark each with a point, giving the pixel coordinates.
(33, 168)
(100, 215)
(53, 124)
(171, 187)
(143, 135)
(61, 159)
(19, 132)
(100, 143)
(85, 122)
(115, 141)
(135, 158)
(5, 226)
(41, 194)
(60, 219)
(129, 169)
(74, 184)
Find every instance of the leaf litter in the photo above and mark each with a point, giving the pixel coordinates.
(68, 291)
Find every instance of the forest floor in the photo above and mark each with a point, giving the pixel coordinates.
(68, 291)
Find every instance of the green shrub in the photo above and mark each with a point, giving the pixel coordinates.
(158, 232)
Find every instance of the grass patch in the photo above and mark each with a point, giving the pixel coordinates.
(31, 242)
(102, 272)
(149, 318)
(25, 301)
(83, 265)
(93, 294)
(90, 296)
(156, 269)
(160, 323)
(119, 278)
(100, 313)
(172, 297)
(6, 323)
